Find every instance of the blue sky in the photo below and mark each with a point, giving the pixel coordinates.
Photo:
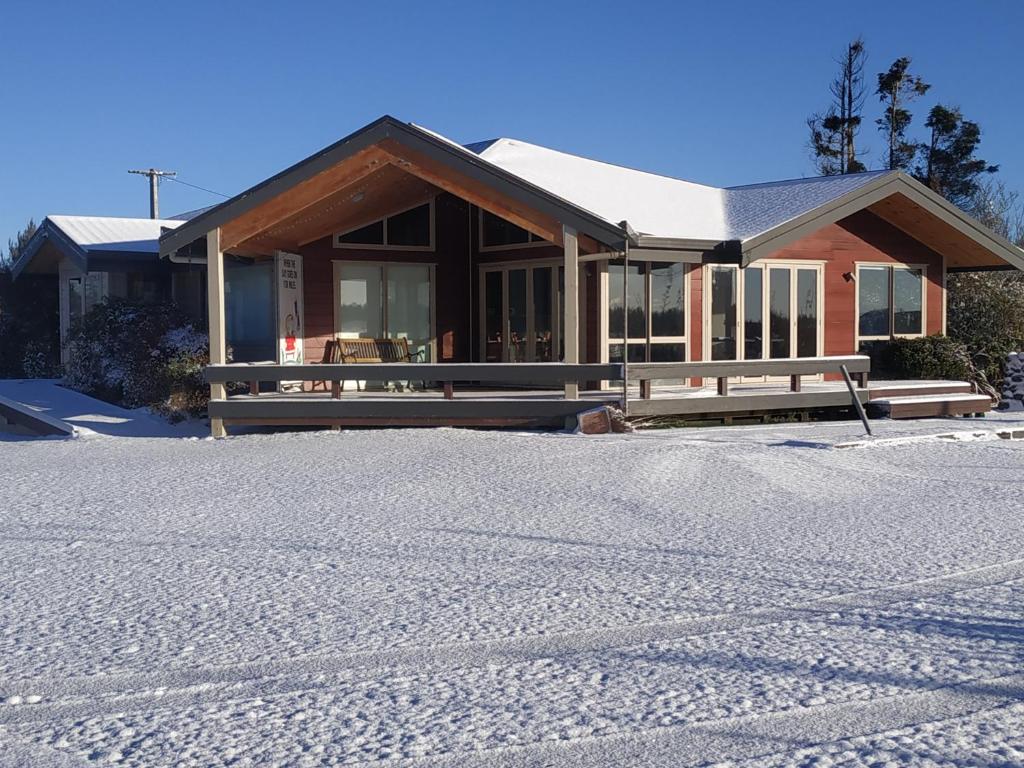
(229, 93)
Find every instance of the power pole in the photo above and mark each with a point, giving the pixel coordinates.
(154, 185)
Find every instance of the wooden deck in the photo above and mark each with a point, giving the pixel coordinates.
(546, 394)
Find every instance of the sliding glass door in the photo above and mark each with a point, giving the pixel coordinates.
(375, 301)
(764, 311)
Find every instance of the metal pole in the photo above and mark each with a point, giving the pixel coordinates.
(625, 328)
(856, 400)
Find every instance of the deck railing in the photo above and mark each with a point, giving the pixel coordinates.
(381, 408)
(723, 370)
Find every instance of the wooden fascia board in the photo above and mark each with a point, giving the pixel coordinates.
(238, 230)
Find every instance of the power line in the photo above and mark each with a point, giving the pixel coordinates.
(196, 186)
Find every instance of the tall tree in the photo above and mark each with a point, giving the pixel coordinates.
(896, 89)
(16, 244)
(948, 163)
(833, 139)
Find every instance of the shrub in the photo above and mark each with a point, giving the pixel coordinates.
(986, 313)
(29, 347)
(930, 357)
(139, 355)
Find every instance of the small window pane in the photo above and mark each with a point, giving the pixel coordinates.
(668, 353)
(723, 314)
(907, 301)
(496, 232)
(543, 320)
(74, 299)
(873, 298)
(667, 307)
(637, 353)
(492, 316)
(517, 315)
(411, 228)
(806, 313)
(371, 234)
(636, 299)
(753, 313)
(778, 306)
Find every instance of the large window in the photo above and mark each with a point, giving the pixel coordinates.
(410, 230)
(763, 311)
(386, 301)
(656, 321)
(497, 234)
(890, 302)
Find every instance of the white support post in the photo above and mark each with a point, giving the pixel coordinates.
(572, 305)
(217, 322)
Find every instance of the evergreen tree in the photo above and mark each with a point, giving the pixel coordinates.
(948, 164)
(897, 88)
(833, 139)
(16, 244)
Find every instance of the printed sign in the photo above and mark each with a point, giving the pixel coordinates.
(288, 268)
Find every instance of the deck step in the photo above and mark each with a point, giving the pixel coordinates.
(882, 391)
(923, 406)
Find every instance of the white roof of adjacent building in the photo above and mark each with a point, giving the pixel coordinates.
(110, 233)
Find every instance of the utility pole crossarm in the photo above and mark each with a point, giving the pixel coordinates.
(154, 175)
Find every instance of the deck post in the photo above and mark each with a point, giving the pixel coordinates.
(217, 323)
(572, 306)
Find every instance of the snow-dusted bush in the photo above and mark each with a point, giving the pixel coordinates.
(139, 355)
(934, 357)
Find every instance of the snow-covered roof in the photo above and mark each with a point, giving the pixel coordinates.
(109, 233)
(652, 204)
(109, 237)
(663, 206)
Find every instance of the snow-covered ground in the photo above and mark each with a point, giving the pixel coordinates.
(745, 596)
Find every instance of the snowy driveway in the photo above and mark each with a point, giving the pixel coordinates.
(481, 598)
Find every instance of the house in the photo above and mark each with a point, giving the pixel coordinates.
(510, 253)
(96, 257)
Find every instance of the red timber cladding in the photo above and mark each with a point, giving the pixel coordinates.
(453, 286)
(862, 237)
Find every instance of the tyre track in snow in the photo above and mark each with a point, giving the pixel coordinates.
(748, 738)
(93, 696)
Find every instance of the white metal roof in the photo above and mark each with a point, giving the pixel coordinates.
(652, 204)
(109, 233)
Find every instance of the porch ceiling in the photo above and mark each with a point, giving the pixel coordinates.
(961, 250)
(384, 190)
(360, 190)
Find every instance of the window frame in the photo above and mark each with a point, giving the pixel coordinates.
(557, 308)
(765, 265)
(648, 339)
(891, 268)
(531, 243)
(336, 266)
(386, 246)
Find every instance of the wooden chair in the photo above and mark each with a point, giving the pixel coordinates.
(332, 354)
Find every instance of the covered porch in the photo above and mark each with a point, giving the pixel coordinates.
(397, 234)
